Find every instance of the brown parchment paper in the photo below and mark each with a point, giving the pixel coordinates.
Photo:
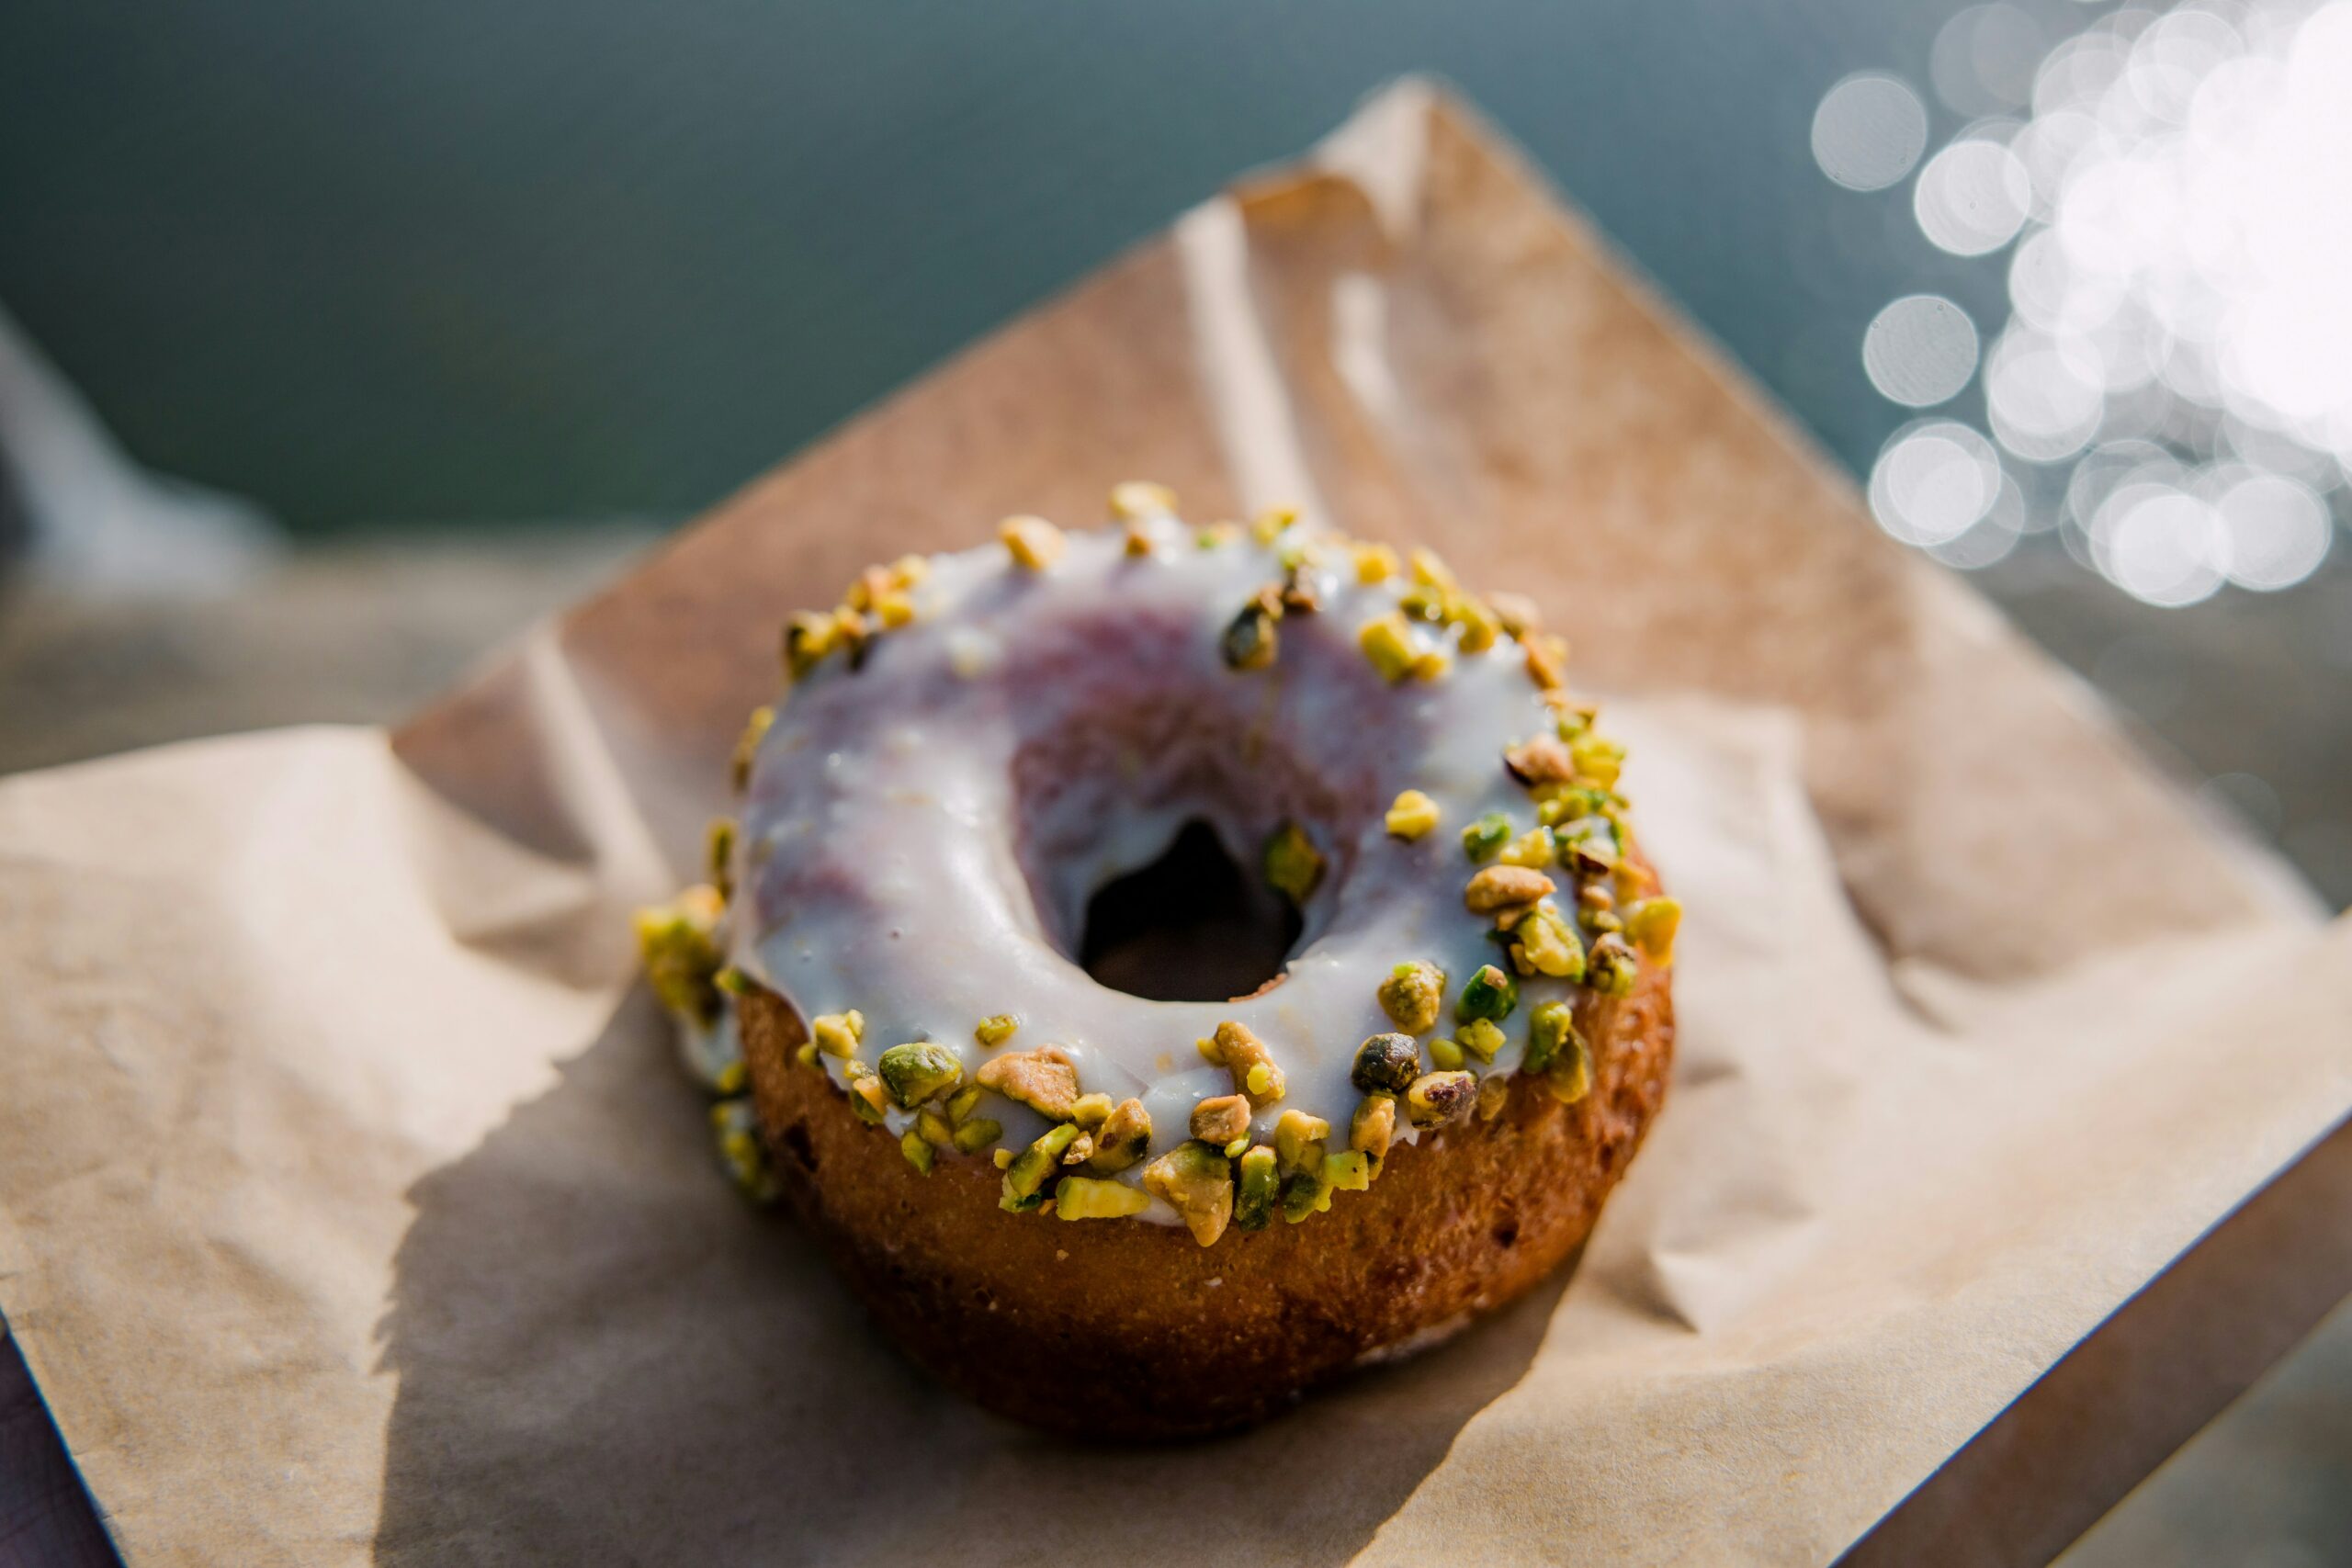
(351, 1209)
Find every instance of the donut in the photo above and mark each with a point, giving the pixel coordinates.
(961, 1001)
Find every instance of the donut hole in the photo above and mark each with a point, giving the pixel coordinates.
(1190, 926)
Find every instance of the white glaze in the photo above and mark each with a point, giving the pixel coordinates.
(893, 863)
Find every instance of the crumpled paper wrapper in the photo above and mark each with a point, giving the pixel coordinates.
(352, 1208)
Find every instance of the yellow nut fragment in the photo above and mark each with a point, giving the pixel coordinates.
(1299, 1140)
(1446, 1054)
(1412, 815)
(1090, 1110)
(809, 636)
(1437, 1097)
(1547, 662)
(1374, 563)
(1293, 866)
(1243, 1054)
(678, 945)
(1481, 1037)
(976, 1135)
(1374, 1125)
(1134, 499)
(1544, 759)
(1412, 995)
(1197, 1182)
(1494, 1093)
(1504, 887)
(1349, 1170)
(1123, 1138)
(1221, 1119)
(1430, 665)
(1035, 544)
(1270, 524)
(1430, 569)
(1652, 924)
(995, 1030)
(1045, 1080)
(1084, 1198)
(837, 1034)
(1387, 642)
(1517, 613)
(747, 746)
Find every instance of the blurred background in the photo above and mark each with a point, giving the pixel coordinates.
(336, 342)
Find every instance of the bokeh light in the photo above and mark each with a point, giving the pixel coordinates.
(1920, 350)
(1869, 131)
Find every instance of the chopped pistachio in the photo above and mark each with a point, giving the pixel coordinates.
(976, 1135)
(808, 1053)
(1548, 944)
(1090, 1110)
(1504, 887)
(1259, 1180)
(1250, 640)
(962, 1102)
(1270, 524)
(747, 746)
(1477, 626)
(1652, 924)
(1242, 1053)
(1489, 834)
(1298, 1139)
(1446, 1055)
(1549, 1027)
(1533, 848)
(1293, 866)
(1588, 845)
(1422, 603)
(1238, 1147)
(1302, 592)
(996, 1029)
(1024, 1178)
(1043, 1080)
(809, 636)
(1571, 719)
(733, 982)
(1222, 1119)
(1481, 1037)
(1197, 1181)
(1595, 896)
(1389, 1062)
(1305, 1193)
(1547, 662)
(868, 1098)
(1034, 542)
(1597, 760)
(1347, 1171)
(1611, 967)
(918, 1153)
(1545, 759)
(935, 1129)
(1374, 563)
(1388, 643)
(1003, 1158)
(1123, 1138)
(678, 943)
(1080, 1150)
(1412, 815)
(1569, 1075)
(1430, 569)
(894, 610)
(1133, 500)
(1216, 533)
(1430, 665)
(735, 1129)
(838, 1033)
(1083, 1198)
(1137, 541)
(1494, 1093)
(1436, 1099)
(1374, 1124)
(1412, 995)
(919, 1071)
(1517, 613)
(1489, 993)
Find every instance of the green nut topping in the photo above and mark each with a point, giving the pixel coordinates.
(1374, 1125)
(920, 1071)
(1551, 1026)
(1412, 995)
(996, 1029)
(976, 1135)
(1305, 1193)
(1347, 1171)
(1123, 1138)
(1569, 1076)
(962, 1102)
(1544, 943)
(838, 1033)
(1436, 1099)
(746, 747)
(678, 943)
(1025, 1177)
(1446, 1055)
(1045, 1079)
(1298, 1139)
(1483, 837)
(1388, 643)
(1293, 866)
(1480, 1037)
(1259, 1182)
(935, 1129)
(1242, 1053)
(867, 1097)
(1611, 967)
(1197, 1182)
(1389, 1062)
(1494, 1093)
(736, 1131)
(918, 1152)
(1249, 641)
(1652, 923)
(718, 855)
(1533, 848)
(1222, 1119)
(1490, 993)
(1597, 760)
(1083, 1198)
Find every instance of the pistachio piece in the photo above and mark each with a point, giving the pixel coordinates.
(1387, 642)
(1269, 525)
(1245, 1056)
(976, 1135)
(1255, 1189)
(1374, 1125)
(1374, 563)
(1083, 1198)
(735, 1129)
(1221, 1119)
(1134, 500)
(1494, 1093)
(1533, 848)
(1543, 760)
(1389, 1062)
(1043, 1080)
(1569, 1076)
(1026, 1175)
(996, 1029)
(1517, 613)
(1123, 1138)
(962, 1102)
(1549, 1027)
(1298, 1139)
(1080, 1150)
(1412, 995)
(808, 1053)
(1302, 590)
(1430, 665)
(678, 945)
(1652, 924)
(1481, 1037)
(1597, 760)
(1034, 543)
(1248, 641)
(1294, 867)
(1412, 815)
(1611, 967)
(918, 1152)
(838, 1033)
(1504, 887)
(1305, 1193)
(919, 1071)
(809, 636)
(1482, 839)
(894, 610)
(1090, 1110)
(1547, 662)
(746, 747)
(1436, 1099)
(934, 1129)
(1490, 993)
(1348, 1170)
(1138, 540)
(867, 1097)
(1197, 1182)
(1476, 626)
(1446, 1055)
(1544, 943)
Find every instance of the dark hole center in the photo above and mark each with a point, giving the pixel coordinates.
(1190, 926)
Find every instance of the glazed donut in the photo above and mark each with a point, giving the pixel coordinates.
(1415, 1120)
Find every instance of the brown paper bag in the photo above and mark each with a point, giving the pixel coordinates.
(351, 1209)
